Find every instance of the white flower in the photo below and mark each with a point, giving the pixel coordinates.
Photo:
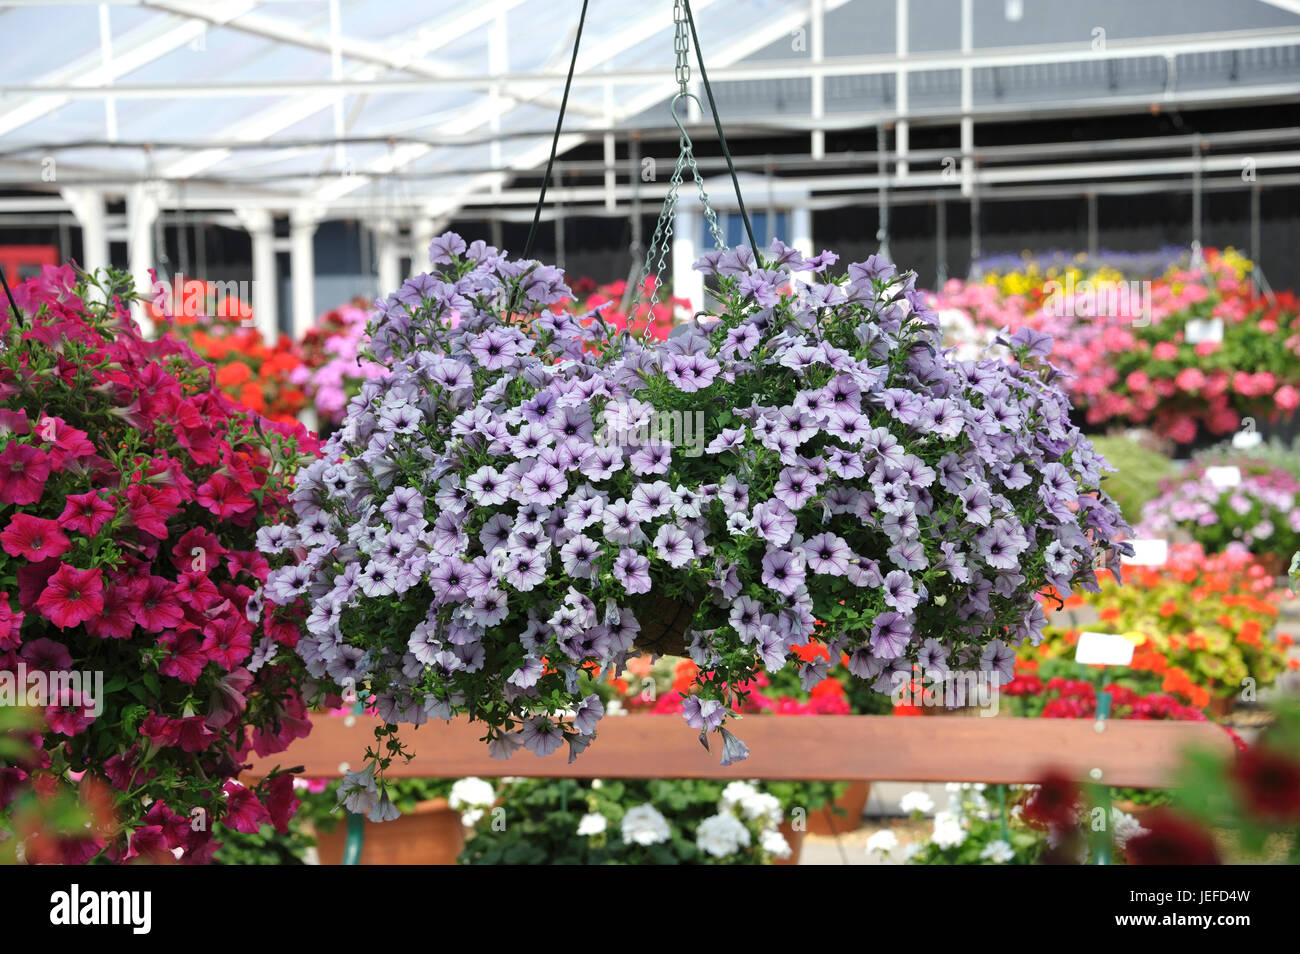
(721, 835)
(1125, 826)
(998, 852)
(735, 793)
(614, 707)
(643, 825)
(762, 808)
(916, 802)
(471, 793)
(883, 841)
(948, 832)
(592, 824)
(774, 844)
(470, 818)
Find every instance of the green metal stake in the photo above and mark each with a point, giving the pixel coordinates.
(1103, 789)
(1002, 804)
(356, 836)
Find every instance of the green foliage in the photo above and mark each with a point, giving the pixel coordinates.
(541, 817)
(1138, 472)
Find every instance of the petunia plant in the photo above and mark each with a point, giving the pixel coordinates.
(131, 490)
(525, 498)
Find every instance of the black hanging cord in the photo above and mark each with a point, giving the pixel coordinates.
(555, 142)
(717, 124)
(13, 305)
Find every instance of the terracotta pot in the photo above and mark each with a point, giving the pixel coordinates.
(795, 840)
(1222, 706)
(430, 835)
(852, 802)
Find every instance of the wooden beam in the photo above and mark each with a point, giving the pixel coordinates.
(1137, 753)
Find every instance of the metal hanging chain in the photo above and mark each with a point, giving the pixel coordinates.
(683, 35)
(656, 260)
(717, 124)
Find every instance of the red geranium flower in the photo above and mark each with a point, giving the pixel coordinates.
(72, 596)
(23, 472)
(1171, 839)
(86, 513)
(33, 538)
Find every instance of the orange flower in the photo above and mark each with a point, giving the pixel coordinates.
(250, 395)
(684, 675)
(231, 374)
(1110, 613)
(1168, 608)
(811, 651)
(1249, 634)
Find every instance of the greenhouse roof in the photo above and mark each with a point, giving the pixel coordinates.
(358, 106)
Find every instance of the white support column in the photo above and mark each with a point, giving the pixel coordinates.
(388, 253)
(260, 225)
(88, 206)
(967, 100)
(302, 268)
(141, 215)
(687, 282)
(900, 85)
(817, 44)
(422, 235)
(801, 231)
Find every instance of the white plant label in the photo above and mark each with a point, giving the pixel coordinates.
(1148, 553)
(1223, 476)
(1103, 649)
(1203, 329)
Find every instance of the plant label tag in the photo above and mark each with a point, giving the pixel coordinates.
(1223, 476)
(1148, 553)
(1103, 649)
(1203, 329)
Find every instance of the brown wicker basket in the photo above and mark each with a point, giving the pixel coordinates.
(664, 621)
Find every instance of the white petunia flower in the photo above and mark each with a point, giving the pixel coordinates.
(471, 793)
(917, 801)
(998, 852)
(762, 807)
(948, 832)
(735, 793)
(883, 841)
(592, 824)
(774, 844)
(643, 825)
(721, 835)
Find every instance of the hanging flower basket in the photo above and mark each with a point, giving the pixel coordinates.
(519, 502)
